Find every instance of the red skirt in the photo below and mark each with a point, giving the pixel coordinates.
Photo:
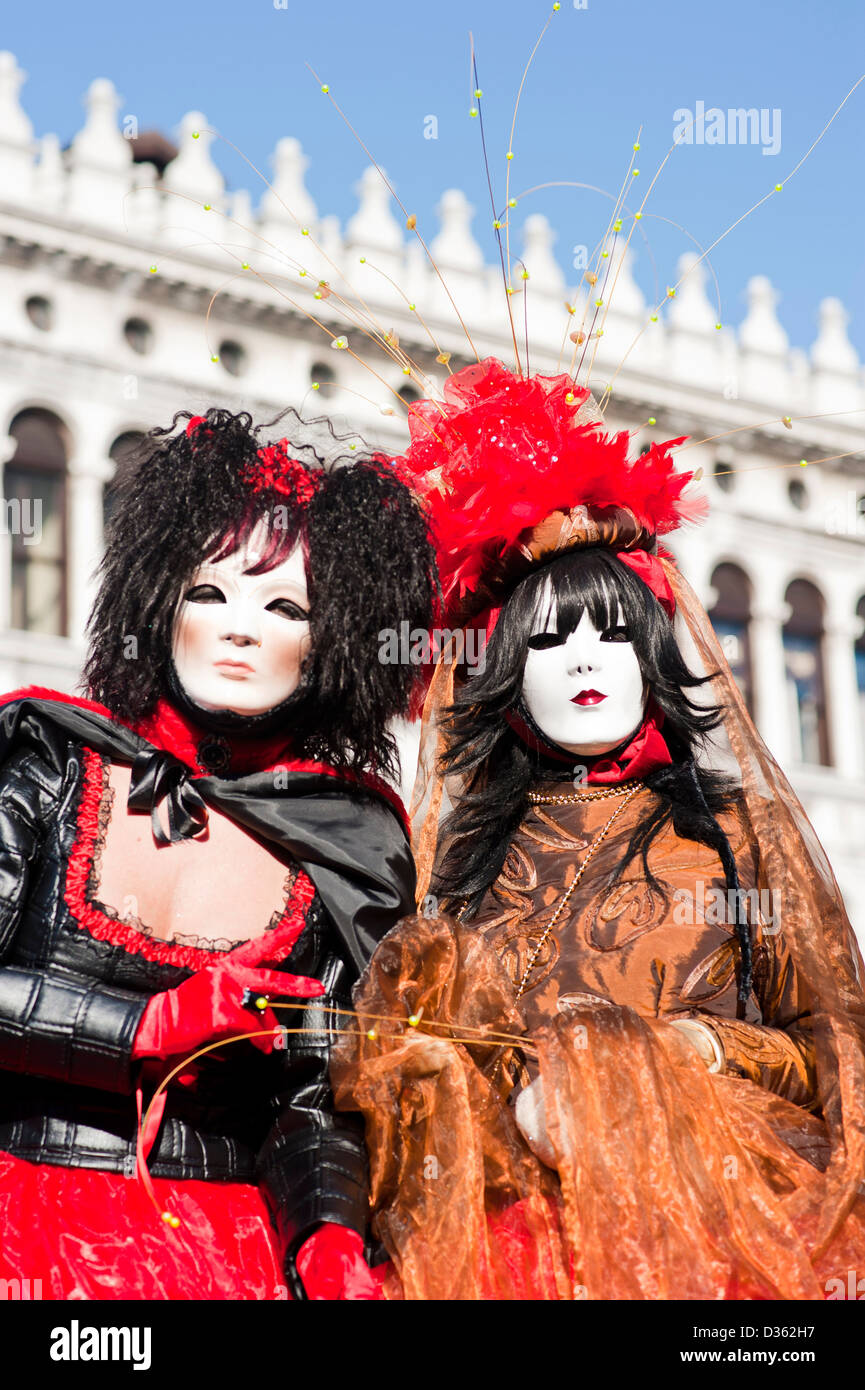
(89, 1234)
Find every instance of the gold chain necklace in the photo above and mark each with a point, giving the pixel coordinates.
(566, 897)
(569, 798)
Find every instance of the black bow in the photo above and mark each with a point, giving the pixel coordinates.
(158, 777)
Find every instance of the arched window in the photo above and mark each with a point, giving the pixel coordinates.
(123, 449)
(803, 654)
(730, 618)
(232, 355)
(724, 475)
(34, 488)
(324, 375)
(139, 335)
(40, 312)
(409, 394)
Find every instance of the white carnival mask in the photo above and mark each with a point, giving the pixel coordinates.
(240, 639)
(585, 691)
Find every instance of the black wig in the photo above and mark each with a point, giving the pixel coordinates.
(185, 497)
(498, 768)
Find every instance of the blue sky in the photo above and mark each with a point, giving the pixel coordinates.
(601, 72)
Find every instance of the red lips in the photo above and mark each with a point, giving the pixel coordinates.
(588, 697)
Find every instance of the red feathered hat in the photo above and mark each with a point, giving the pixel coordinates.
(514, 469)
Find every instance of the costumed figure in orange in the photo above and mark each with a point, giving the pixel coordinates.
(620, 1051)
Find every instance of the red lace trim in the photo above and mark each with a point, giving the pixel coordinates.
(89, 916)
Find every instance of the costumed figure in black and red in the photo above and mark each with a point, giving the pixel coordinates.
(210, 834)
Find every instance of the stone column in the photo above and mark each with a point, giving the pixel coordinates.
(86, 478)
(768, 672)
(846, 735)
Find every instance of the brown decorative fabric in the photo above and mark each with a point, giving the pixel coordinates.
(665, 954)
(614, 526)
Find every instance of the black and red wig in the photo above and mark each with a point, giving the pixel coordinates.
(198, 490)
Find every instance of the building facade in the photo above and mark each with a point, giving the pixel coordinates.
(132, 285)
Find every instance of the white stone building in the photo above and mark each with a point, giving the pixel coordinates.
(95, 347)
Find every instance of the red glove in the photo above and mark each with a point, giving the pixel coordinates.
(332, 1267)
(209, 1007)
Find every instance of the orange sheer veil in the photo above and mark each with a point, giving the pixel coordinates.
(643, 1204)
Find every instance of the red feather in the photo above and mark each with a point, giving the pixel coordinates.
(502, 452)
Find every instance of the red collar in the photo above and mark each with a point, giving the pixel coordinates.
(646, 751)
(170, 730)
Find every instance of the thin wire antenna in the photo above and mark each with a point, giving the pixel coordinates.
(778, 187)
(496, 220)
(377, 334)
(787, 420)
(525, 280)
(510, 153)
(459, 1034)
(615, 217)
(411, 222)
(802, 463)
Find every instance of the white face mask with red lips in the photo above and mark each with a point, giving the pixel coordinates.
(585, 691)
(240, 639)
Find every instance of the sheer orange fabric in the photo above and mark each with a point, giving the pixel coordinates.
(669, 1181)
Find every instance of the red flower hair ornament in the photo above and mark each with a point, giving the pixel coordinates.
(276, 469)
(514, 469)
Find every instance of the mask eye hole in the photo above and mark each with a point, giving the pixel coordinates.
(286, 608)
(205, 593)
(618, 633)
(542, 641)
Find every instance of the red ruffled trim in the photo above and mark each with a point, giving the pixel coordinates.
(277, 944)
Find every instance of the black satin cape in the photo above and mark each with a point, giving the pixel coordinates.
(346, 835)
